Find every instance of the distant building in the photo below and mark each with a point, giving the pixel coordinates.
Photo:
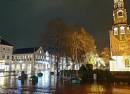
(30, 60)
(120, 39)
(6, 50)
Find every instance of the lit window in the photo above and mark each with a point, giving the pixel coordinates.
(127, 63)
(122, 28)
(47, 54)
(25, 56)
(128, 30)
(115, 31)
(40, 51)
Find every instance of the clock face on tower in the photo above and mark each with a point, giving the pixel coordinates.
(120, 13)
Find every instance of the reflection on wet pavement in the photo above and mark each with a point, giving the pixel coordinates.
(94, 89)
(11, 84)
(47, 85)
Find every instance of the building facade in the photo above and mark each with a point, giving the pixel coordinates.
(6, 51)
(120, 39)
(30, 60)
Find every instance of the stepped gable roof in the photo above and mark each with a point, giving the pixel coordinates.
(25, 50)
(4, 42)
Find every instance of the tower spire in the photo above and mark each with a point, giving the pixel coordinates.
(119, 13)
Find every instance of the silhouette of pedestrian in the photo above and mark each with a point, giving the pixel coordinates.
(34, 79)
(22, 77)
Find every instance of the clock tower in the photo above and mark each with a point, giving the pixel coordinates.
(119, 13)
(120, 38)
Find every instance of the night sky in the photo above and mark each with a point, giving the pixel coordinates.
(22, 22)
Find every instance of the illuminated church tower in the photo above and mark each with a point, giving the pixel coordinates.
(120, 39)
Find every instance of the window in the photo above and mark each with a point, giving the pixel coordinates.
(25, 57)
(40, 51)
(7, 57)
(128, 30)
(8, 49)
(122, 29)
(127, 63)
(3, 57)
(115, 31)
